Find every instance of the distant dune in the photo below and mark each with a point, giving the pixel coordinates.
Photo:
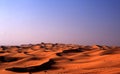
(48, 58)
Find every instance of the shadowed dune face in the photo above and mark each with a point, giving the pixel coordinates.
(111, 51)
(73, 50)
(44, 66)
(59, 58)
(8, 59)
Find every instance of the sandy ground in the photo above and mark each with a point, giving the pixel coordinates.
(47, 58)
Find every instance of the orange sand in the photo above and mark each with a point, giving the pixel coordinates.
(47, 58)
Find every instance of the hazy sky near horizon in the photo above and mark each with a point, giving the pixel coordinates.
(62, 21)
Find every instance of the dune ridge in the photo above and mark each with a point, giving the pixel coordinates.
(48, 58)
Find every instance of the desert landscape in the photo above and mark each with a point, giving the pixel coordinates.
(59, 36)
(48, 58)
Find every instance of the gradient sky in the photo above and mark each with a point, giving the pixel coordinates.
(63, 21)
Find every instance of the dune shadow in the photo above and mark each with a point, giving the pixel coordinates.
(70, 51)
(73, 50)
(8, 59)
(44, 66)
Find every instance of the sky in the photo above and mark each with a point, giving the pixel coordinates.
(84, 22)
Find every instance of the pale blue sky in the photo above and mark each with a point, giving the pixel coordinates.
(63, 21)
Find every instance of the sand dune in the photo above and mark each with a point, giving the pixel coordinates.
(47, 58)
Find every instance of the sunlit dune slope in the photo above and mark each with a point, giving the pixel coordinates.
(48, 58)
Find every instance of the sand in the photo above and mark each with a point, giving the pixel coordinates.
(48, 58)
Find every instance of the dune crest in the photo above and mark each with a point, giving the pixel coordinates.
(59, 59)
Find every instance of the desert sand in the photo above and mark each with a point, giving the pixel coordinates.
(48, 58)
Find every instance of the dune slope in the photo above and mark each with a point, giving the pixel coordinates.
(47, 58)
